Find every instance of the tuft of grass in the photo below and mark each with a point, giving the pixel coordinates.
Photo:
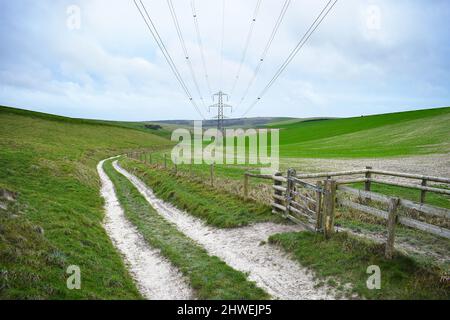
(209, 276)
(221, 209)
(345, 258)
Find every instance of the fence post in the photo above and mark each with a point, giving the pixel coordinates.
(175, 168)
(367, 184)
(277, 192)
(212, 175)
(423, 192)
(329, 206)
(392, 221)
(245, 186)
(319, 218)
(289, 189)
(165, 161)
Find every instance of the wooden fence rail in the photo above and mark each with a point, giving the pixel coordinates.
(368, 179)
(413, 223)
(330, 192)
(248, 175)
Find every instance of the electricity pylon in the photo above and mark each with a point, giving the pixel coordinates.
(220, 106)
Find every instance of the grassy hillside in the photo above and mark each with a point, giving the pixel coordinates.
(404, 133)
(164, 132)
(57, 219)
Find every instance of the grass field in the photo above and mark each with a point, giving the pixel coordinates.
(51, 162)
(410, 133)
(56, 221)
(386, 135)
(164, 131)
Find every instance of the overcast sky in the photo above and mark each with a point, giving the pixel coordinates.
(367, 57)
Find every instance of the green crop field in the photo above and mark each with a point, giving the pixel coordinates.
(394, 134)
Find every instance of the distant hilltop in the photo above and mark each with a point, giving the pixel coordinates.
(239, 122)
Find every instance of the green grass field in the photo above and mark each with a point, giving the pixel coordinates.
(51, 162)
(57, 219)
(408, 133)
(386, 135)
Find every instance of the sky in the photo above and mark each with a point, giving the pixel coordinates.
(96, 59)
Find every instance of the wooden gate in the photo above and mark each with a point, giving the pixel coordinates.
(311, 205)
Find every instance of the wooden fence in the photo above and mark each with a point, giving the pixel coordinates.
(318, 212)
(310, 199)
(148, 157)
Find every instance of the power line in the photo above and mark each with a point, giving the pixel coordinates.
(247, 43)
(200, 45)
(220, 105)
(325, 11)
(184, 48)
(266, 50)
(222, 44)
(154, 32)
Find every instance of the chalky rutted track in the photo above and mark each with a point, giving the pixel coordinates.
(242, 249)
(155, 277)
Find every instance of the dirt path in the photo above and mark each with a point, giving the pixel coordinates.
(242, 249)
(155, 277)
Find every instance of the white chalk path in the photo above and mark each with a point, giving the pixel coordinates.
(155, 277)
(241, 248)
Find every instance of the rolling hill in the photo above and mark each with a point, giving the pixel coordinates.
(56, 221)
(395, 134)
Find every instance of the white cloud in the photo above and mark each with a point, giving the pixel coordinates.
(111, 68)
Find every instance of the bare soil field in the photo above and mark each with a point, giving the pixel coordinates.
(433, 165)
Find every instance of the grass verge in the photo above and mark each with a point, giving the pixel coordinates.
(221, 209)
(344, 259)
(210, 277)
